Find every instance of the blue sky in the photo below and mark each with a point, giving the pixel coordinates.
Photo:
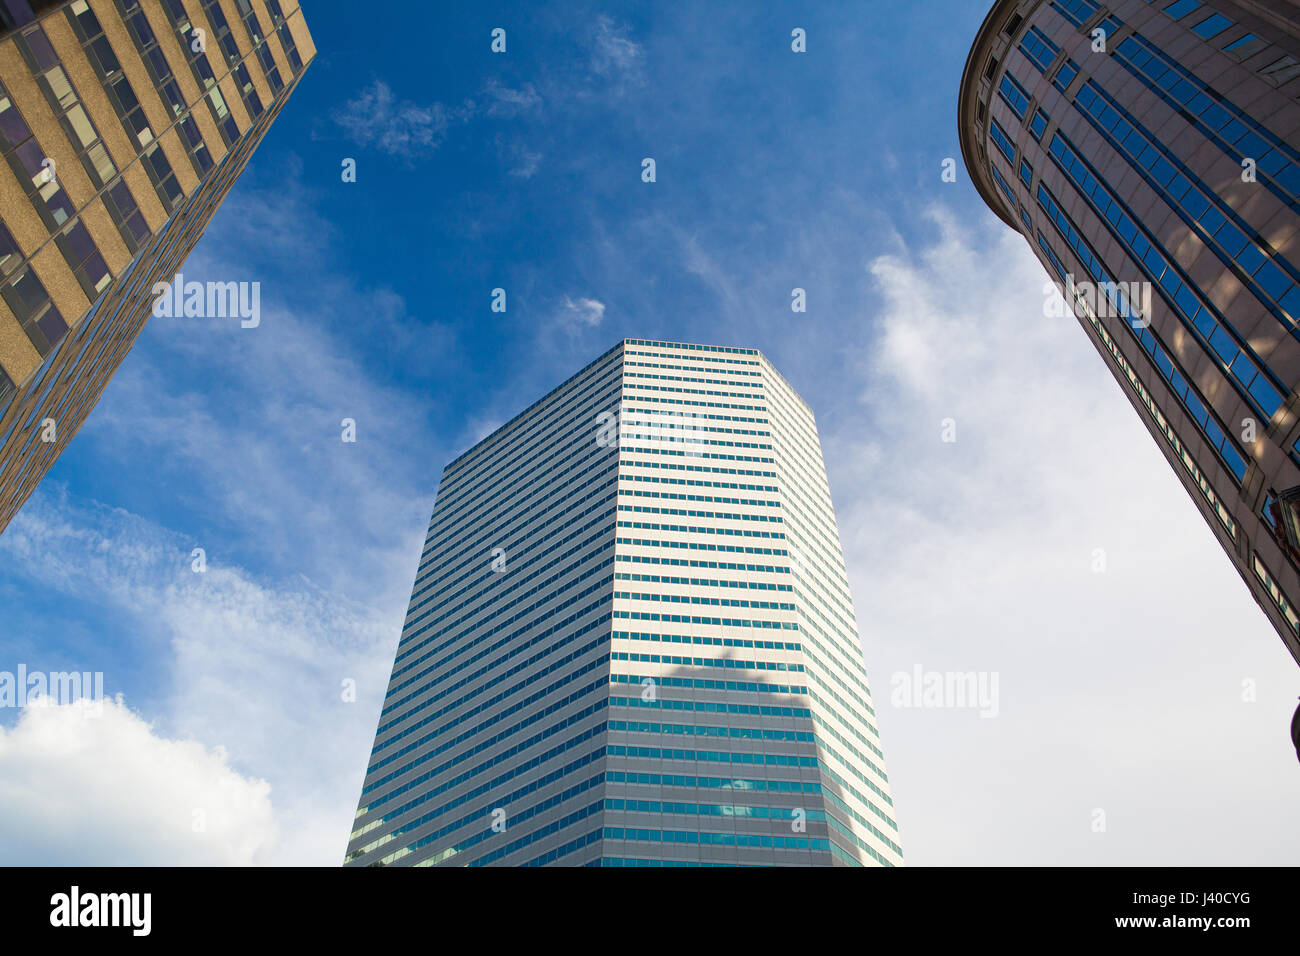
(1121, 691)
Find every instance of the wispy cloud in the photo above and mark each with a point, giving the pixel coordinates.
(615, 55)
(521, 162)
(377, 118)
(504, 101)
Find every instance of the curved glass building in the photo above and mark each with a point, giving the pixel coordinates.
(1149, 151)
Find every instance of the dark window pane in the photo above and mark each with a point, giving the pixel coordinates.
(139, 228)
(52, 325)
(25, 295)
(12, 128)
(10, 254)
(39, 46)
(79, 241)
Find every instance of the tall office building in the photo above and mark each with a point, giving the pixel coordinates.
(631, 641)
(123, 124)
(1149, 152)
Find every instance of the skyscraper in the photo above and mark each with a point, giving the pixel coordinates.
(631, 640)
(123, 124)
(1149, 152)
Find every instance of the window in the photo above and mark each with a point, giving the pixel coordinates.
(83, 259)
(1212, 26)
(1026, 173)
(1280, 71)
(1077, 12)
(193, 141)
(164, 180)
(42, 322)
(245, 82)
(1014, 95)
(126, 214)
(1002, 184)
(184, 30)
(1247, 46)
(1038, 125)
(1274, 591)
(1065, 75)
(15, 13)
(1229, 127)
(221, 112)
(1038, 49)
(1002, 141)
(1180, 8)
(11, 257)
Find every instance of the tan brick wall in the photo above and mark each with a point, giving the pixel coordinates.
(107, 239)
(17, 355)
(44, 124)
(63, 287)
(301, 36)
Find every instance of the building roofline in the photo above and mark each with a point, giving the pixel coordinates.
(740, 349)
(514, 419)
(969, 97)
(621, 343)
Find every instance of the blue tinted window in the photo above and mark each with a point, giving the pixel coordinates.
(1234, 461)
(1246, 46)
(1039, 49)
(1002, 184)
(1212, 26)
(1014, 95)
(1002, 141)
(1077, 11)
(1038, 125)
(1180, 8)
(1068, 71)
(1268, 397)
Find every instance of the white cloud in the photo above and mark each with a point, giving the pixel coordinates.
(582, 313)
(107, 790)
(256, 669)
(1119, 691)
(376, 117)
(614, 54)
(505, 101)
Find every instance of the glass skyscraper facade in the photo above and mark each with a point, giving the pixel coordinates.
(1149, 152)
(631, 640)
(123, 124)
